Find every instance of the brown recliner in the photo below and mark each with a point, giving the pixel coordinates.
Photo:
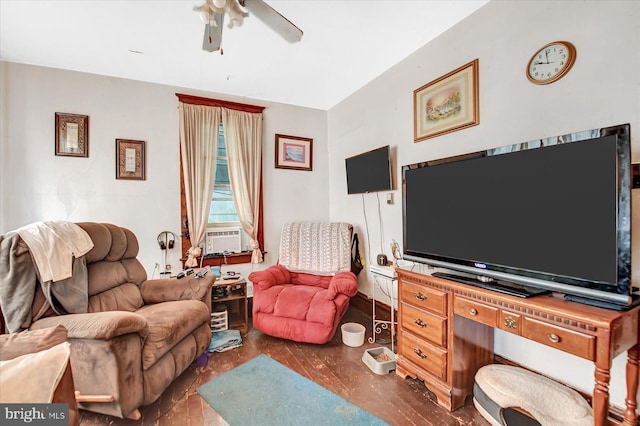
(138, 334)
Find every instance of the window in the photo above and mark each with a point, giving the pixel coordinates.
(222, 211)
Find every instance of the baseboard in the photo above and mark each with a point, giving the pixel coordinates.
(364, 303)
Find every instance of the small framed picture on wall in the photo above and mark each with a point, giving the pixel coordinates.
(130, 159)
(294, 152)
(72, 135)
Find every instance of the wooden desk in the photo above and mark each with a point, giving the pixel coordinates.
(445, 335)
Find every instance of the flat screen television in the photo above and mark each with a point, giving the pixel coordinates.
(552, 214)
(369, 171)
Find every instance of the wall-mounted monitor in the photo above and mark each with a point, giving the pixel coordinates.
(369, 171)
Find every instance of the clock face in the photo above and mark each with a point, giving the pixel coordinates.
(551, 62)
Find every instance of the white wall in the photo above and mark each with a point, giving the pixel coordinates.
(37, 185)
(603, 88)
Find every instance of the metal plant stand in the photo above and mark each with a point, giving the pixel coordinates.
(391, 284)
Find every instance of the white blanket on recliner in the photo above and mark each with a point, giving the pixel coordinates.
(53, 245)
(19, 272)
(319, 248)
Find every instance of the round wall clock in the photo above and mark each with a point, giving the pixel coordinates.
(551, 62)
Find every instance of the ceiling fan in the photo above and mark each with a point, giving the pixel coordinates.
(212, 13)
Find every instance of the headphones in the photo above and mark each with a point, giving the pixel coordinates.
(166, 239)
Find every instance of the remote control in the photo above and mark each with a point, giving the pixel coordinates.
(201, 273)
(180, 275)
(189, 271)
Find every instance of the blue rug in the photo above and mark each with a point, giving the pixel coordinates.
(264, 392)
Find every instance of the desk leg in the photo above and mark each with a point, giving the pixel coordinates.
(601, 396)
(630, 416)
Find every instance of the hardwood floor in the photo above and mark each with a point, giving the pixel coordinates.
(335, 366)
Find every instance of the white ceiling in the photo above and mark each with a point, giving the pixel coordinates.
(345, 45)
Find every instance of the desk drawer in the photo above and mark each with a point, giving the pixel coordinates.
(582, 345)
(424, 324)
(425, 355)
(476, 311)
(424, 297)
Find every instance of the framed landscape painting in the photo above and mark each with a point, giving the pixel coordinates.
(447, 104)
(294, 152)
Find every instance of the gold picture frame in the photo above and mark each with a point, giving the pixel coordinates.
(447, 104)
(72, 135)
(130, 159)
(294, 153)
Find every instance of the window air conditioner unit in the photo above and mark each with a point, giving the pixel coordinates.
(221, 240)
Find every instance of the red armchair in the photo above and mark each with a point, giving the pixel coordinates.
(306, 307)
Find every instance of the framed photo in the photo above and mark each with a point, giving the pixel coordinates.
(294, 152)
(447, 104)
(72, 135)
(130, 159)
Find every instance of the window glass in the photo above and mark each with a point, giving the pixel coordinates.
(222, 211)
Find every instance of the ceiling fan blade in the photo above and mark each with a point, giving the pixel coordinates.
(273, 19)
(213, 35)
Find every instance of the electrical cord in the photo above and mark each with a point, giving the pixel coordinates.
(155, 268)
(380, 223)
(383, 290)
(366, 226)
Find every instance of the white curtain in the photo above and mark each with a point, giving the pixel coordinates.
(243, 139)
(198, 145)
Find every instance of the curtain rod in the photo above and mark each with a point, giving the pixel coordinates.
(197, 100)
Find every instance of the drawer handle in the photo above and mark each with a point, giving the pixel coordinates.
(420, 353)
(420, 323)
(473, 311)
(509, 322)
(421, 297)
(554, 338)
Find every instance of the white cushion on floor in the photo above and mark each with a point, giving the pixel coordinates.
(549, 402)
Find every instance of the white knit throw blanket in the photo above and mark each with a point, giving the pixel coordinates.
(320, 248)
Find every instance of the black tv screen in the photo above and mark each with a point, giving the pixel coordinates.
(552, 213)
(369, 171)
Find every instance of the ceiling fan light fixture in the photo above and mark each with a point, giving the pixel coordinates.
(236, 15)
(212, 14)
(235, 23)
(206, 18)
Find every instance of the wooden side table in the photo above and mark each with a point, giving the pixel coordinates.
(233, 294)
